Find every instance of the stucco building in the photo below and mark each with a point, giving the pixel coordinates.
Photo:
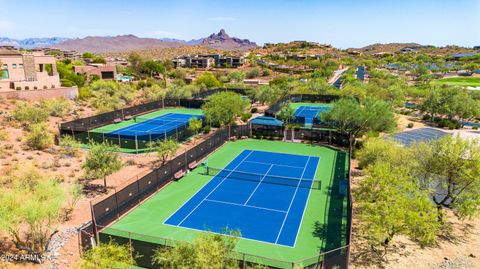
(27, 70)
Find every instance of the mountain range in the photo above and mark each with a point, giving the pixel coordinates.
(101, 44)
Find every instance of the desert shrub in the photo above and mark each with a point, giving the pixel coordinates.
(246, 116)
(29, 114)
(253, 73)
(3, 134)
(70, 146)
(57, 107)
(475, 127)
(410, 125)
(253, 110)
(207, 129)
(39, 137)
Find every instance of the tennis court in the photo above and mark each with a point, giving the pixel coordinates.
(157, 128)
(315, 222)
(310, 112)
(262, 194)
(418, 135)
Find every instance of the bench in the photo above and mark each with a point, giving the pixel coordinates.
(117, 120)
(128, 117)
(179, 174)
(192, 165)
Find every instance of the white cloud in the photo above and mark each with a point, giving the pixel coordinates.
(160, 34)
(221, 19)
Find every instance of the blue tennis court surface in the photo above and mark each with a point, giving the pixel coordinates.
(261, 194)
(310, 112)
(154, 128)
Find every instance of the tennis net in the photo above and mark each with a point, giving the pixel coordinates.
(270, 179)
(178, 122)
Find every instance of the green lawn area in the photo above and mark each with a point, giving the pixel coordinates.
(324, 225)
(458, 81)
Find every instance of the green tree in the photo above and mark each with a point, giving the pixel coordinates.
(390, 203)
(208, 79)
(207, 251)
(153, 68)
(450, 169)
(222, 108)
(136, 62)
(164, 149)
(39, 137)
(110, 95)
(102, 160)
(236, 76)
(30, 206)
(267, 94)
(109, 256)
(194, 125)
(375, 150)
(286, 113)
(350, 117)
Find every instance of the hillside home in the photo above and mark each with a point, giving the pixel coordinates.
(27, 70)
(105, 72)
(209, 60)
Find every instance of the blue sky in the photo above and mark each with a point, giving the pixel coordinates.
(342, 23)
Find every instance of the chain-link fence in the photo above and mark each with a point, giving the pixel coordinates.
(123, 199)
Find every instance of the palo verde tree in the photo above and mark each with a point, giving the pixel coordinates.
(450, 169)
(222, 108)
(102, 160)
(109, 256)
(30, 207)
(194, 125)
(164, 149)
(390, 204)
(286, 113)
(207, 251)
(352, 118)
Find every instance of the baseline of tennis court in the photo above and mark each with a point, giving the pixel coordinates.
(261, 194)
(310, 112)
(154, 128)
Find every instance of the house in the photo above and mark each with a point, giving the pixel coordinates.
(105, 72)
(408, 50)
(27, 70)
(206, 61)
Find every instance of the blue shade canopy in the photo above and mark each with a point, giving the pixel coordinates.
(262, 120)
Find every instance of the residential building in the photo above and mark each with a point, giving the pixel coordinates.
(105, 72)
(209, 60)
(27, 70)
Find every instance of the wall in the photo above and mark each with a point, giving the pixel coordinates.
(35, 95)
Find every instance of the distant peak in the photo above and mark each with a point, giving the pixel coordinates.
(222, 33)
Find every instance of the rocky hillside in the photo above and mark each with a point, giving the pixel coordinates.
(99, 44)
(124, 43)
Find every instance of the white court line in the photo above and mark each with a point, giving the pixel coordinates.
(213, 189)
(260, 182)
(256, 207)
(291, 202)
(306, 203)
(284, 165)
